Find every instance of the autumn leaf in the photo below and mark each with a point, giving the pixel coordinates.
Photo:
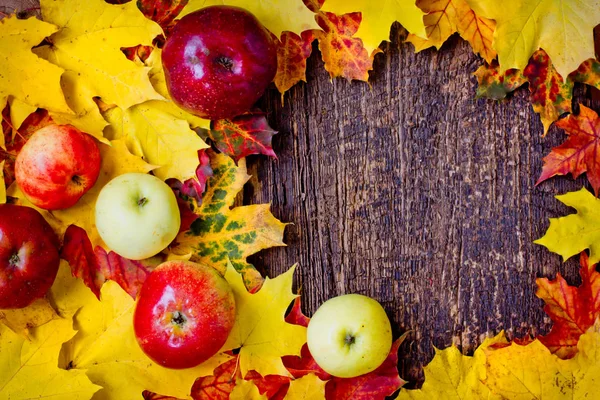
(221, 233)
(243, 135)
(532, 372)
(19, 111)
(89, 42)
(344, 54)
(573, 309)
(246, 390)
(148, 395)
(574, 233)
(96, 266)
(309, 387)
(551, 95)
(219, 384)
(452, 375)
(25, 76)
(106, 348)
(292, 52)
(163, 12)
(579, 153)
(377, 18)
(274, 387)
(563, 29)
(276, 15)
(30, 368)
(192, 189)
(116, 160)
(258, 316)
(158, 137)
(2, 184)
(446, 17)
(21, 320)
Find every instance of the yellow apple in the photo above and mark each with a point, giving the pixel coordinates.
(137, 215)
(349, 335)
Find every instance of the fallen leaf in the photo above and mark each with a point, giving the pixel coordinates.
(579, 153)
(495, 85)
(21, 320)
(573, 309)
(452, 375)
(446, 17)
(116, 160)
(163, 12)
(246, 390)
(344, 54)
(2, 184)
(25, 76)
(19, 111)
(243, 135)
(219, 384)
(148, 395)
(292, 52)
(30, 368)
(274, 387)
(258, 316)
(106, 348)
(309, 387)
(192, 189)
(276, 15)
(532, 372)
(220, 233)
(377, 18)
(158, 137)
(89, 42)
(96, 266)
(563, 30)
(574, 233)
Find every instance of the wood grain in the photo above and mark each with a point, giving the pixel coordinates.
(414, 193)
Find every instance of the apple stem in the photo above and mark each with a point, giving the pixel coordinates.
(14, 260)
(350, 339)
(225, 62)
(178, 318)
(142, 202)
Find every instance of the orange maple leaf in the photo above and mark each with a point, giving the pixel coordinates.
(292, 53)
(573, 309)
(580, 152)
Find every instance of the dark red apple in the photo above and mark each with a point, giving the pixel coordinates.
(57, 165)
(28, 256)
(218, 61)
(184, 314)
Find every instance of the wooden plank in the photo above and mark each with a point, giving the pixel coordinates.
(414, 193)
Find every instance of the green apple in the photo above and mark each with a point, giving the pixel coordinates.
(137, 215)
(349, 335)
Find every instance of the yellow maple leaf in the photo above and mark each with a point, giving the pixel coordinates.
(564, 29)
(116, 160)
(158, 137)
(532, 372)
(309, 387)
(221, 234)
(574, 233)
(445, 17)
(452, 375)
(34, 82)
(29, 369)
(276, 15)
(260, 330)
(246, 390)
(89, 43)
(21, 320)
(19, 111)
(106, 348)
(378, 16)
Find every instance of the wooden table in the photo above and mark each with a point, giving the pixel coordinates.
(413, 192)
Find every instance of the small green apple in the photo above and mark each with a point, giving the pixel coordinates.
(349, 335)
(137, 215)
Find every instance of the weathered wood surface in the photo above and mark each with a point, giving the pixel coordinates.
(416, 194)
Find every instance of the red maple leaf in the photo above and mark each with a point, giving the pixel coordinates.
(243, 135)
(96, 266)
(379, 384)
(219, 385)
(274, 387)
(573, 309)
(580, 152)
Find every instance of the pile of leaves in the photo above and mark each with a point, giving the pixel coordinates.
(97, 66)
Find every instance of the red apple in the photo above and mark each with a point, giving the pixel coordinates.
(28, 256)
(57, 165)
(184, 314)
(218, 61)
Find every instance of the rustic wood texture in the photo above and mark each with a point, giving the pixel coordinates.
(414, 193)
